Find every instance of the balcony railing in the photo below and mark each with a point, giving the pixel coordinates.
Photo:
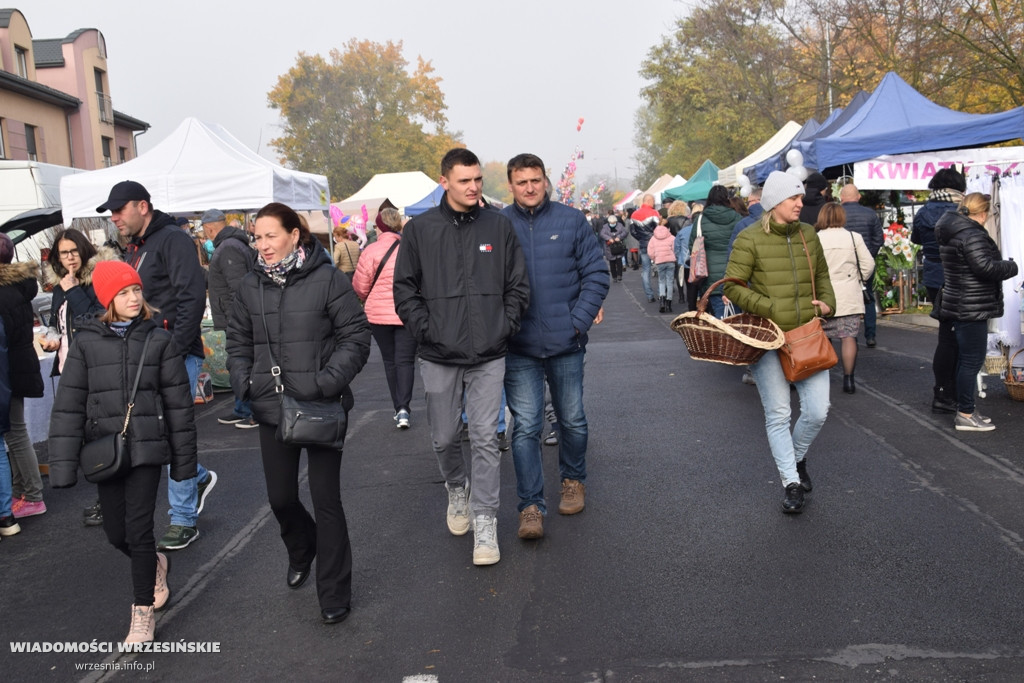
(106, 107)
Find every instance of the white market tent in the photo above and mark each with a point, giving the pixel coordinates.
(197, 167)
(27, 185)
(403, 189)
(665, 182)
(729, 176)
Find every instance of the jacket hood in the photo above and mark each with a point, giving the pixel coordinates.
(720, 214)
(11, 273)
(85, 274)
(159, 221)
(953, 222)
(662, 233)
(93, 323)
(229, 233)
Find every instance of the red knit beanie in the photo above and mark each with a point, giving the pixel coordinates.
(110, 277)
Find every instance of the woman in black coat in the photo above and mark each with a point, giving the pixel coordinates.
(972, 293)
(69, 268)
(18, 286)
(320, 340)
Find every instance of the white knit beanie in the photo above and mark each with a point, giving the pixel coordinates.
(778, 188)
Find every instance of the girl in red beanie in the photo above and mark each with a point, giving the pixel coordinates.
(92, 401)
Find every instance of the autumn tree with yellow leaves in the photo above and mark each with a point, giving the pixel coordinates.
(359, 112)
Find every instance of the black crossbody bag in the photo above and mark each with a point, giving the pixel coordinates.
(305, 423)
(109, 457)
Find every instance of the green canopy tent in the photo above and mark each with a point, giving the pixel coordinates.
(697, 187)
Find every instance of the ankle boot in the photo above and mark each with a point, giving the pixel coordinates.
(943, 402)
(161, 593)
(661, 306)
(143, 626)
(668, 303)
(848, 385)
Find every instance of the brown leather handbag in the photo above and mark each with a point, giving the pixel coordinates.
(806, 350)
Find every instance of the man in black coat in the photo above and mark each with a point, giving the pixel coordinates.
(865, 221)
(232, 259)
(173, 281)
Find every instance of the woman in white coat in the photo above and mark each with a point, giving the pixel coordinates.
(849, 266)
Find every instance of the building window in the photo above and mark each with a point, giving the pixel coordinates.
(21, 55)
(122, 155)
(107, 159)
(30, 142)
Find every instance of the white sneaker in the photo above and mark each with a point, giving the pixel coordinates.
(485, 540)
(458, 510)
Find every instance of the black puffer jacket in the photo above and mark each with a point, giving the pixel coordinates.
(973, 270)
(18, 286)
(93, 395)
(318, 332)
(461, 285)
(232, 259)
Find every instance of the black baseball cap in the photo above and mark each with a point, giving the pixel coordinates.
(122, 193)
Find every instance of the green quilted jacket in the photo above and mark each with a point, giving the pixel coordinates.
(775, 266)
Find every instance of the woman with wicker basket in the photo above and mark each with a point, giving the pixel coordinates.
(972, 292)
(849, 266)
(770, 256)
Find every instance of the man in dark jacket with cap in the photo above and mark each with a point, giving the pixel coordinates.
(814, 198)
(232, 259)
(173, 281)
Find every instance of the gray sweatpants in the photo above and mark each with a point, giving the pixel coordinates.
(444, 385)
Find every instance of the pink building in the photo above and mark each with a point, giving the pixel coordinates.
(55, 101)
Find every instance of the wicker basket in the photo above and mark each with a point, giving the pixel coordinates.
(996, 365)
(737, 340)
(1014, 387)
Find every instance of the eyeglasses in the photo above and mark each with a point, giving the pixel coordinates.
(68, 254)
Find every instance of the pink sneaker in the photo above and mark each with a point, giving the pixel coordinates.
(27, 508)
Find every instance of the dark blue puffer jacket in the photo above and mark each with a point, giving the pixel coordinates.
(923, 233)
(568, 279)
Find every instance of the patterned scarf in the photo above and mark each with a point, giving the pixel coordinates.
(946, 195)
(278, 272)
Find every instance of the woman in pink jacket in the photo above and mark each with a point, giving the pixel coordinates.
(663, 255)
(372, 282)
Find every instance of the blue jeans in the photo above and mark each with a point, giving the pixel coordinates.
(524, 386)
(790, 447)
(972, 341)
(645, 274)
(243, 408)
(666, 280)
(6, 485)
(183, 496)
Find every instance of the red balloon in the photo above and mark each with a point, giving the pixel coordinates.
(580, 121)
(579, 128)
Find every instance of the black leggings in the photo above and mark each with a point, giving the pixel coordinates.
(128, 504)
(398, 349)
(326, 538)
(615, 265)
(947, 351)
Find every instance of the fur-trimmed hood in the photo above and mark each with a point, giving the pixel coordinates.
(85, 274)
(12, 273)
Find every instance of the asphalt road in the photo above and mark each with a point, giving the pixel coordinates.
(907, 563)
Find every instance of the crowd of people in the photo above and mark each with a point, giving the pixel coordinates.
(493, 306)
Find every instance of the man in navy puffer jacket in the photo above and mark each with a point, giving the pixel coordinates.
(568, 283)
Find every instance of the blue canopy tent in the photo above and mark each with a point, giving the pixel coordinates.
(428, 202)
(759, 173)
(838, 119)
(697, 187)
(897, 119)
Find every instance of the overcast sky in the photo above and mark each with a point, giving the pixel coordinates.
(516, 76)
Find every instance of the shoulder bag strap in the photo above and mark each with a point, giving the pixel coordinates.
(699, 218)
(380, 268)
(135, 387)
(807, 253)
(856, 256)
(275, 369)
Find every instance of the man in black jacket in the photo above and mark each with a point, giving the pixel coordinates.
(232, 259)
(175, 284)
(461, 288)
(865, 221)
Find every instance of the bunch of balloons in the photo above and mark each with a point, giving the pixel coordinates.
(567, 183)
(579, 124)
(356, 224)
(795, 159)
(591, 199)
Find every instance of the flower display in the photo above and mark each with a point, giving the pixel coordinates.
(897, 256)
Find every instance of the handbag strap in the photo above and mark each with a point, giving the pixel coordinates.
(856, 256)
(275, 369)
(135, 386)
(699, 218)
(380, 268)
(807, 253)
